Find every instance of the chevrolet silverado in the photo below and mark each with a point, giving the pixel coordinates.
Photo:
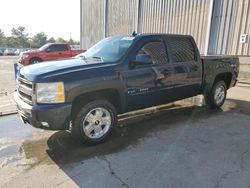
(117, 75)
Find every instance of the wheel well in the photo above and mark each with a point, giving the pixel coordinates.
(111, 95)
(36, 58)
(226, 77)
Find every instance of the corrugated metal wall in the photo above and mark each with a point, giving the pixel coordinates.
(121, 17)
(175, 16)
(230, 19)
(92, 22)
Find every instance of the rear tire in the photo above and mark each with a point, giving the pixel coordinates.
(217, 96)
(95, 121)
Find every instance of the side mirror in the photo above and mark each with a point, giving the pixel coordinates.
(142, 60)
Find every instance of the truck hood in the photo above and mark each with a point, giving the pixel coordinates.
(46, 70)
(30, 52)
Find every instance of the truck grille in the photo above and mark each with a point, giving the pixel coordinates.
(25, 89)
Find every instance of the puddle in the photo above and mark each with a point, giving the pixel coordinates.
(11, 137)
(9, 150)
(36, 148)
(13, 130)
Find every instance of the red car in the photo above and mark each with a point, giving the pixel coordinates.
(48, 52)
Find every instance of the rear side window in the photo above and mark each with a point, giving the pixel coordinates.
(182, 49)
(58, 47)
(156, 50)
(63, 47)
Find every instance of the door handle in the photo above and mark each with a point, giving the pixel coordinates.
(195, 67)
(60, 53)
(160, 77)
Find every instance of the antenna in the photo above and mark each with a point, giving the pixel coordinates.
(134, 34)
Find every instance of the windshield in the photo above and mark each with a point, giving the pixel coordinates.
(107, 50)
(43, 47)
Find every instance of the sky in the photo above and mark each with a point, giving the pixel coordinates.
(56, 18)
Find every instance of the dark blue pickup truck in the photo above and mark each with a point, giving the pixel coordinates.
(120, 74)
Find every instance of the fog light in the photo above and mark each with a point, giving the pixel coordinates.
(45, 124)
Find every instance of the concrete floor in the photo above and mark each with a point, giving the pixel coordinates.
(7, 84)
(182, 145)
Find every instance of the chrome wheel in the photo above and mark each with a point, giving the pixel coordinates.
(219, 94)
(96, 123)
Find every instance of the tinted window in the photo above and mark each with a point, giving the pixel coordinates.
(182, 49)
(62, 47)
(156, 50)
(58, 47)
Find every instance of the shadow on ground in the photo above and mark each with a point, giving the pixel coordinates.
(62, 148)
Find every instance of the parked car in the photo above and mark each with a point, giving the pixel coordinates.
(48, 52)
(19, 51)
(118, 75)
(1, 52)
(9, 52)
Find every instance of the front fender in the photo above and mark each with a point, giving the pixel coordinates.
(79, 88)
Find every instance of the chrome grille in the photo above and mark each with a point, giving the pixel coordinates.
(25, 89)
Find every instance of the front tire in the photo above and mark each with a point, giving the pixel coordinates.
(35, 61)
(95, 121)
(217, 96)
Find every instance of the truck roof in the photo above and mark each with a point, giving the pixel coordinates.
(50, 43)
(160, 34)
(146, 35)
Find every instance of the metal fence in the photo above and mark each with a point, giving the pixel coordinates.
(216, 25)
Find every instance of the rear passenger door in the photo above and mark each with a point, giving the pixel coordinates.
(186, 65)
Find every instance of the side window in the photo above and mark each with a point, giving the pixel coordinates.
(156, 50)
(182, 49)
(58, 48)
(62, 47)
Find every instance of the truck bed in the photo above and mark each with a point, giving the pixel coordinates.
(219, 57)
(214, 65)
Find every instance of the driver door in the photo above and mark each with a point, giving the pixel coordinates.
(149, 85)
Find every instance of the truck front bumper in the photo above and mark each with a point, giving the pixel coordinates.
(23, 62)
(51, 117)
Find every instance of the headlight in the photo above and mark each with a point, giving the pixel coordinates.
(25, 56)
(50, 92)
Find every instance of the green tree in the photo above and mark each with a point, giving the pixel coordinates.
(39, 40)
(51, 40)
(11, 42)
(72, 42)
(60, 40)
(21, 36)
(2, 38)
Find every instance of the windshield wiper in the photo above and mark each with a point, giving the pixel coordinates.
(96, 57)
(81, 56)
(92, 57)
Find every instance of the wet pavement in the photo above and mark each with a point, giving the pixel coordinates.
(181, 145)
(7, 84)
(12, 133)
